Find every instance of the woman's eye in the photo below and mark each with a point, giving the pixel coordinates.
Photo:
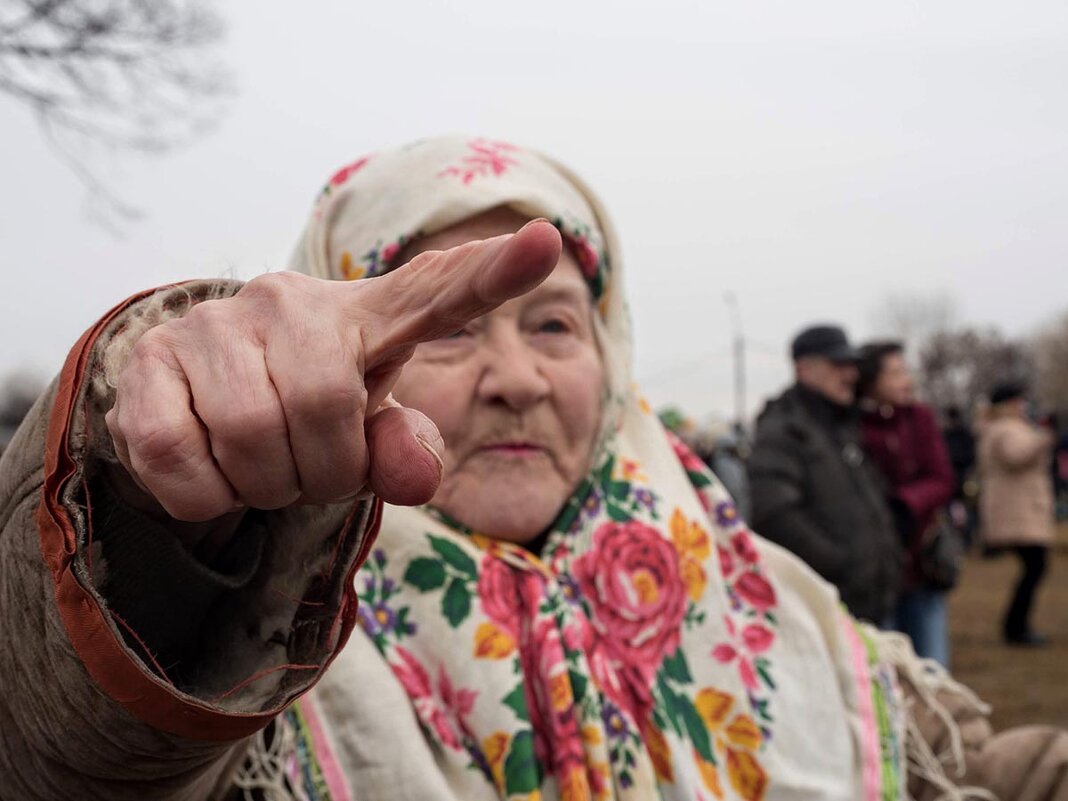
(463, 332)
(554, 326)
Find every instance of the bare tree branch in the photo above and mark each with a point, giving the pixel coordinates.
(1051, 362)
(124, 75)
(960, 367)
(18, 391)
(913, 317)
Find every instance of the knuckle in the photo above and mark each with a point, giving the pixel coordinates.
(295, 303)
(152, 345)
(269, 498)
(192, 508)
(213, 319)
(159, 448)
(424, 260)
(330, 398)
(273, 287)
(243, 422)
(208, 311)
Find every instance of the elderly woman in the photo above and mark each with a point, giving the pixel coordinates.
(553, 599)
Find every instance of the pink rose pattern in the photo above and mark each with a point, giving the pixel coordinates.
(557, 741)
(631, 580)
(750, 621)
(442, 708)
(591, 634)
(503, 591)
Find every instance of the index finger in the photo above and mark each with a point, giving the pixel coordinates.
(439, 292)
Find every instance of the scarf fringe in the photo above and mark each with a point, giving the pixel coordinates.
(264, 769)
(928, 678)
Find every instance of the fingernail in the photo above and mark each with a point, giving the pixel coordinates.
(535, 222)
(433, 451)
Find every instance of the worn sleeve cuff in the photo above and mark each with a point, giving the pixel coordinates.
(250, 637)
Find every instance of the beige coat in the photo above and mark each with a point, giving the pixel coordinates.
(1016, 501)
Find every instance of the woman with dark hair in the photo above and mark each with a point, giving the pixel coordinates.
(1016, 499)
(903, 439)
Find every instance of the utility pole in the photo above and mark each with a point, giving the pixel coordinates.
(739, 358)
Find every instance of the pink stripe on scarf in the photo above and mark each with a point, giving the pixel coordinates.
(324, 754)
(871, 752)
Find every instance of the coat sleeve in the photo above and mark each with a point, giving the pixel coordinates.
(131, 669)
(779, 509)
(935, 480)
(1019, 447)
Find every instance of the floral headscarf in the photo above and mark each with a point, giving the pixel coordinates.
(356, 234)
(656, 648)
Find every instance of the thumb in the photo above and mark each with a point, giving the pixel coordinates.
(406, 455)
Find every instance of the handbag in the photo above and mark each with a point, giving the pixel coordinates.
(941, 554)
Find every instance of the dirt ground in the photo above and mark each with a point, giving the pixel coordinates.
(1022, 685)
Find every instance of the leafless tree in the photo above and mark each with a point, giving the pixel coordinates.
(913, 318)
(1051, 362)
(119, 74)
(18, 391)
(959, 367)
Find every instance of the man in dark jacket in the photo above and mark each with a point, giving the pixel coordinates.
(812, 489)
(960, 447)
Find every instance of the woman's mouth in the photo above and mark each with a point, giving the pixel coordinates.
(517, 449)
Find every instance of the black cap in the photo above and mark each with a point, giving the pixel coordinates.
(828, 341)
(1008, 391)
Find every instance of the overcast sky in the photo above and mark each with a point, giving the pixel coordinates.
(808, 157)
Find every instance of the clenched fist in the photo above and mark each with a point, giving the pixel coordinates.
(280, 394)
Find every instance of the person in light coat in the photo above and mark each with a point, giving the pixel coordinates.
(1016, 501)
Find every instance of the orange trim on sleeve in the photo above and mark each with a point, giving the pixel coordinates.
(105, 656)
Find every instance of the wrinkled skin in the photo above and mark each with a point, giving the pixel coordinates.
(278, 395)
(516, 394)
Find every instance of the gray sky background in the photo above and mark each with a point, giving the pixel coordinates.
(810, 157)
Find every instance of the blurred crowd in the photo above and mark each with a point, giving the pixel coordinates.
(884, 495)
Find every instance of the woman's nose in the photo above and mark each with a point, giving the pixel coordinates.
(512, 376)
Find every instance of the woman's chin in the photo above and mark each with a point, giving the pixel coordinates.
(508, 513)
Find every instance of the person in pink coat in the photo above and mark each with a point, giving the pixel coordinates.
(1016, 500)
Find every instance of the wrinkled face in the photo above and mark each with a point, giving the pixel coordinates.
(894, 385)
(517, 396)
(836, 381)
